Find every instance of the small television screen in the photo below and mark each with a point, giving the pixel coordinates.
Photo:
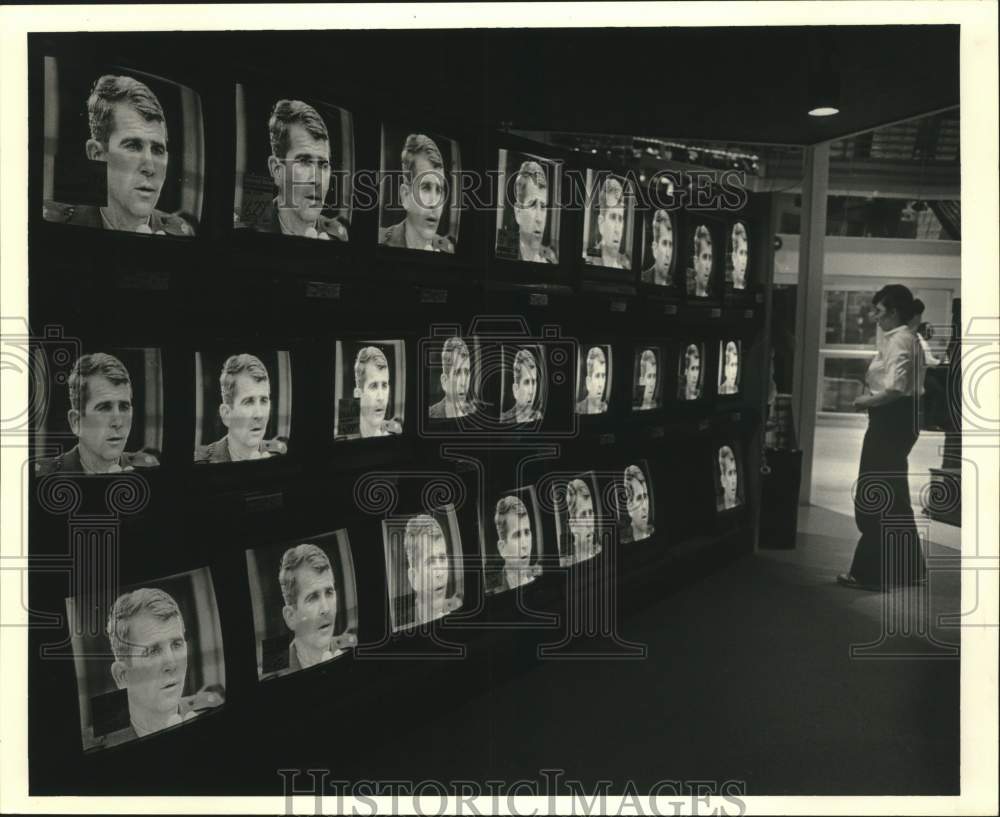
(691, 371)
(737, 257)
(647, 378)
(123, 149)
(593, 378)
(294, 165)
(702, 260)
(578, 508)
(243, 405)
(305, 603)
(608, 221)
(104, 409)
(730, 366)
(369, 388)
(659, 238)
(523, 384)
(635, 503)
(511, 540)
(528, 219)
(148, 658)
(423, 560)
(454, 378)
(728, 476)
(420, 190)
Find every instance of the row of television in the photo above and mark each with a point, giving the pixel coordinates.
(124, 149)
(149, 655)
(110, 404)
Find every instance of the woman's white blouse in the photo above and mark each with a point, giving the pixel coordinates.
(897, 363)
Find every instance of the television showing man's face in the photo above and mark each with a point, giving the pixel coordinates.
(690, 375)
(369, 389)
(729, 493)
(510, 546)
(522, 385)
(729, 367)
(166, 667)
(454, 382)
(638, 517)
(125, 152)
(608, 221)
(647, 389)
(702, 260)
(739, 249)
(659, 267)
(593, 377)
(579, 539)
(528, 220)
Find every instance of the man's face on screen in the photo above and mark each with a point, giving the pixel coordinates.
(456, 382)
(732, 368)
(693, 372)
(302, 175)
(429, 576)
(516, 547)
(581, 520)
(247, 417)
(663, 247)
(154, 675)
(610, 222)
(375, 393)
(596, 380)
(136, 156)
(104, 425)
(648, 382)
(638, 503)
(314, 613)
(703, 265)
(530, 213)
(729, 480)
(424, 197)
(739, 263)
(525, 386)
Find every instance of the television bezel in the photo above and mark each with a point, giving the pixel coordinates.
(589, 274)
(717, 224)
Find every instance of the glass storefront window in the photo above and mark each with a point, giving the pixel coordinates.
(849, 317)
(843, 383)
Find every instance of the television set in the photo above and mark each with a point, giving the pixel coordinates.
(369, 389)
(511, 540)
(579, 510)
(593, 378)
(648, 375)
(660, 252)
(148, 658)
(420, 201)
(636, 507)
(528, 213)
(243, 404)
(123, 148)
(423, 567)
(691, 363)
(102, 409)
(609, 223)
(294, 164)
(305, 603)
(523, 384)
(703, 257)
(730, 367)
(738, 271)
(453, 381)
(729, 483)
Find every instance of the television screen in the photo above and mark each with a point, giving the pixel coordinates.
(522, 384)
(511, 540)
(659, 234)
(148, 658)
(728, 477)
(593, 378)
(578, 508)
(703, 259)
(107, 418)
(294, 165)
(305, 603)
(608, 221)
(647, 378)
(737, 257)
(369, 388)
(635, 504)
(420, 190)
(691, 371)
(528, 219)
(123, 150)
(453, 379)
(243, 405)
(423, 563)
(730, 366)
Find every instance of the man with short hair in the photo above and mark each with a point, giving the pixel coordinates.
(455, 372)
(100, 415)
(128, 132)
(524, 387)
(428, 568)
(309, 591)
(740, 256)
(659, 272)
(728, 478)
(647, 380)
(637, 505)
(610, 223)
(702, 262)
(371, 389)
(514, 542)
(730, 369)
(691, 384)
(580, 512)
(423, 191)
(300, 166)
(244, 411)
(595, 381)
(531, 198)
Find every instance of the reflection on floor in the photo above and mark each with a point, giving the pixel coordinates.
(836, 452)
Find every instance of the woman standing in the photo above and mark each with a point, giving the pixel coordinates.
(888, 552)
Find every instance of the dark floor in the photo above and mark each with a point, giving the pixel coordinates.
(749, 677)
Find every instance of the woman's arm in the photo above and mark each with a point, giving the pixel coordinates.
(866, 401)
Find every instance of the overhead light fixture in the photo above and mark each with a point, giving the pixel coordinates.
(824, 77)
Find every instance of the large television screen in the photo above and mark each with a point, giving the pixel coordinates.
(608, 221)
(103, 409)
(647, 378)
(691, 371)
(294, 165)
(523, 383)
(423, 567)
(243, 405)
(703, 257)
(124, 149)
(305, 603)
(511, 540)
(579, 514)
(730, 366)
(453, 379)
(420, 190)
(659, 240)
(738, 257)
(369, 388)
(593, 378)
(728, 463)
(528, 218)
(148, 658)
(635, 503)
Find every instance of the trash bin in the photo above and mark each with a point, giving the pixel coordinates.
(779, 500)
